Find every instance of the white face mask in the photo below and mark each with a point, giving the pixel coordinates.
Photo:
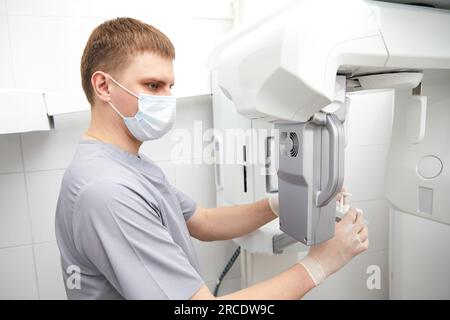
(154, 118)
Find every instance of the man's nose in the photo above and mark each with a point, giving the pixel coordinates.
(167, 91)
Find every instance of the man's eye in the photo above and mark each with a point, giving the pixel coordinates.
(153, 86)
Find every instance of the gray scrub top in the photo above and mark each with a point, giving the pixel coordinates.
(121, 228)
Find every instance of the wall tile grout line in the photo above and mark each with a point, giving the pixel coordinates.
(10, 173)
(45, 170)
(367, 146)
(29, 217)
(31, 171)
(27, 244)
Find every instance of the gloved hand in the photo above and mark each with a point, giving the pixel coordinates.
(350, 239)
(341, 197)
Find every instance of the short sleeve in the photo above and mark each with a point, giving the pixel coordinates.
(187, 204)
(123, 236)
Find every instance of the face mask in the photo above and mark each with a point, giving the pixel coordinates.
(154, 118)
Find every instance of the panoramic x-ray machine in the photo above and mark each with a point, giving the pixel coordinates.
(294, 69)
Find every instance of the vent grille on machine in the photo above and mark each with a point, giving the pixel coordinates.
(294, 140)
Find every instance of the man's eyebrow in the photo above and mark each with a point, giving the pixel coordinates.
(154, 79)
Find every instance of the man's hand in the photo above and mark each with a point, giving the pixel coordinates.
(350, 239)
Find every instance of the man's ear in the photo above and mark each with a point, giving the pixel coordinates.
(100, 83)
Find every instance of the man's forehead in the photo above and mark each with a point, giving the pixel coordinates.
(151, 66)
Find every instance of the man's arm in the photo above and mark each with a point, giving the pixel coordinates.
(350, 239)
(291, 284)
(230, 222)
(210, 224)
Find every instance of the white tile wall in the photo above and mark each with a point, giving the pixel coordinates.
(351, 281)
(376, 212)
(56, 34)
(364, 172)
(2, 7)
(6, 76)
(193, 109)
(10, 161)
(48, 269)
(250, 11)
(54, 149)
(15, 225)
(160, 149)
(43, 191)
(49, 8)
(99, 8)
(190, 65)
(17, 273)
(214, 256)
(55, 44)
(202, 187)
(369, 118)
(206, 9)
(419, 257)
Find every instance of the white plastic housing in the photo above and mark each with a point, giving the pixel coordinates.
(285, 66)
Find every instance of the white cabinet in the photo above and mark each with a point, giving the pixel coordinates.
(233, 174)
(246, 156)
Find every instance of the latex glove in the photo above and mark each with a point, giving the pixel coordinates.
(341, 197)
(274, 204)
(350, 239)
(342, 208)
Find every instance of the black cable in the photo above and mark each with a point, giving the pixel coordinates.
(230, 263)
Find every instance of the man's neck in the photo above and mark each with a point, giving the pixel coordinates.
(112, 135)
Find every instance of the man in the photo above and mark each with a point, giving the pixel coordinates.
(121, 224)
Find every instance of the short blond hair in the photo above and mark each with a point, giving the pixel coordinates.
(114, 42)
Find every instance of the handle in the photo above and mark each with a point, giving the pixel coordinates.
(336, 162)
(268, 165)
(244, 166)
(217, 165)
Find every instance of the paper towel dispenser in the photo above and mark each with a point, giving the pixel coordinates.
(23, 111)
